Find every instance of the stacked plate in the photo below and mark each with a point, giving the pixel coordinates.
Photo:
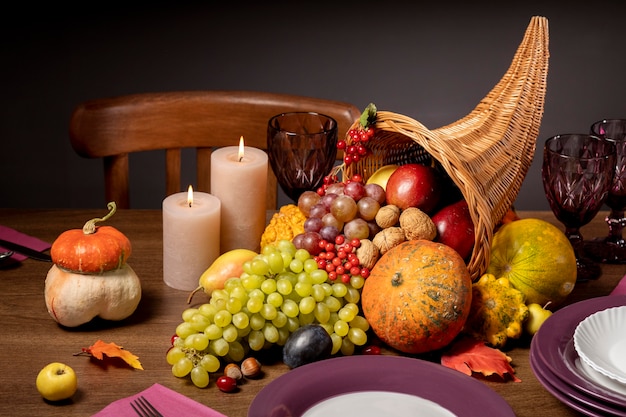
(558, 366)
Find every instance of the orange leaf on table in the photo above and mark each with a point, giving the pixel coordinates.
(469, 355)
(100, 348)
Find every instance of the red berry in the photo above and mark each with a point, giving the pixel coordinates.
(341, 144)
(365, 272)
(355, 243)
(332, 275)
(347, 159)
(226, 383)
(357, 178)
(355, 270)
(339, 239)
(345, 278)
(371, 350)
(340, 270)
(173, 338)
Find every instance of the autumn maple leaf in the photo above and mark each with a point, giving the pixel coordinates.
(469, 355)
(100, 348)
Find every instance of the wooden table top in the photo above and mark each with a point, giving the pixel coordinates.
(30, 338)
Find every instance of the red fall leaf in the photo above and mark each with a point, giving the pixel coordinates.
(100, 348)
(468, 355)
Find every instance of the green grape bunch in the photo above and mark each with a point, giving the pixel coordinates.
(280, 290)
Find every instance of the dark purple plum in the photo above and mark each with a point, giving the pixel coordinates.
(310, 343)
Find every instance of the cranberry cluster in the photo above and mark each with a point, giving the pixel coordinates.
(356, 149)
(339, 259)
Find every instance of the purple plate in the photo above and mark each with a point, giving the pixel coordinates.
(301, 388)
(553, 347)
(570, 396)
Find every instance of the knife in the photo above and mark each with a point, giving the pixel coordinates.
(31, 253)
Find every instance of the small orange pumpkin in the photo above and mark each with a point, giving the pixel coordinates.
(418, 296)
(92, 249)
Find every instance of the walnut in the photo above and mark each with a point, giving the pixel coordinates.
(388, 238)
(387, 216)
(417, 225)
(367, 253)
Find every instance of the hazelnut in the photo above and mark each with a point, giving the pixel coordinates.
(232, 370)
(367, 253)
(387, 216)
(388, 238)
(417, 225)
(251, 367)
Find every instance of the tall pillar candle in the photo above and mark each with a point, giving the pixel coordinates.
(240, 182)
(190, 237)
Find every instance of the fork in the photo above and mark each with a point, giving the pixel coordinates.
(143, 408)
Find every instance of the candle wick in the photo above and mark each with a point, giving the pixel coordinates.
(240, 158)
(190, 204)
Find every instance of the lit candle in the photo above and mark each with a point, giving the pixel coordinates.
(191, 224)
(239, 180)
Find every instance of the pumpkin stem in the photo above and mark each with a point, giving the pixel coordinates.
(90, 227)
(396, 280)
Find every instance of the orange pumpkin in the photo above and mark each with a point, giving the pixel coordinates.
(92, 249)
(418, 296)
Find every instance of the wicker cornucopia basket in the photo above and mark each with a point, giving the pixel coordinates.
(488, 152)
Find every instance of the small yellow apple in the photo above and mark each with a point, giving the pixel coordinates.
(56, 381)
(381, 175)
(537, 316)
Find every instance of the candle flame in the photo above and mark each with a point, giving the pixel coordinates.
(190, 195)
(240, 155)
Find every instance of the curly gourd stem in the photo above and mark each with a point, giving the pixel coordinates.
(90, 227)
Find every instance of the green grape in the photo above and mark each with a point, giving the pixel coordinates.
(322, 313)
(347, 347)
(302, 255)
(283, 335)
(280, 320)
(188, 313)
(236, 351)
(241, 320)
(174, 354)
(247, 267)
(332, 303)
(213, 331)
(348, 312)
(310, 265)
(210, 362)
(341, 328)
(231, 283)
(179, 342)
(276, 262)
(256, 340)
(252, 282)
(219, 346)
(275, 299)
(219, 303)
(353, 295)
(305, 319)
(318, 293)
(182, 367)
(239, 293)
(223, 318)
(259, 266)
(230, 333)
(357, 336)
(184, 329)
(198, 341)
(328, 289)
(257, 321)
(270, 332)
(286, 246)
(254, 305)
(220, 294)
(287, 258)
(339, 289)
(293, 324)
(303, 289)
(256, 294)
(208, 311)
(199, 377)
(357, 281)
(319, 276)
(233, 305)
(328, 327)
(307, 305)
(268, 311)
(337, 342)
(199, 321)
(284, 286)
(290, 308)
(296, 265)
(243, 332)
(360, 322)
(269, 249)
(268, 286)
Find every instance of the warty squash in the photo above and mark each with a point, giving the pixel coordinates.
(418, 296)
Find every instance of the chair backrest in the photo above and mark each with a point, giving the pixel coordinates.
(111, 128)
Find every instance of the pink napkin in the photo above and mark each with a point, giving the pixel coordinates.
(168, 402)
(620, 289)
(12, 235)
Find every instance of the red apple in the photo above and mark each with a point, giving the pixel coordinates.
(414, 185)
(455, 228)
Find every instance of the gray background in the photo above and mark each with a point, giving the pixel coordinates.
(432, 62)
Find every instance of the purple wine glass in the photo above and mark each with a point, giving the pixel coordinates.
(577, 173)
(302, 149)
(612, 248)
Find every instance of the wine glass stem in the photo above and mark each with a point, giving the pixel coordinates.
(616, 222)
(575, 238)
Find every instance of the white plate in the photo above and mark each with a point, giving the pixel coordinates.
(600, 341)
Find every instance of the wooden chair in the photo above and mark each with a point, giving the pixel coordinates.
(111, 128)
